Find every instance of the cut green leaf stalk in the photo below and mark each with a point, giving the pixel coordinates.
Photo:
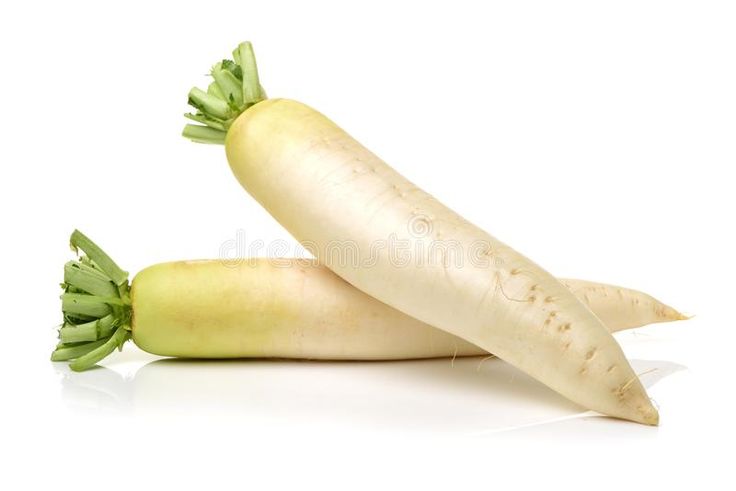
(236, 87)
(96, 306)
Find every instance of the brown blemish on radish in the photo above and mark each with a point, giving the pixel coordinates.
(590, 354)
(621, 390)
(564, 327)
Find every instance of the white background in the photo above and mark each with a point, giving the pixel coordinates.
(596, 137)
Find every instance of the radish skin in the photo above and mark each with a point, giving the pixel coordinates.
(294, 308)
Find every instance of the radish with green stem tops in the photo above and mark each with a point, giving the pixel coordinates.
(286, 308)
(326, 188)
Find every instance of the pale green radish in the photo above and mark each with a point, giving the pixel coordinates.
(294, 308)
(265, 308)
(326, 188)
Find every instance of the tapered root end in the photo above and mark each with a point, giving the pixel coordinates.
(639, 407)
(645, 414)
(649, 416)
(633, 403)
(671, 314)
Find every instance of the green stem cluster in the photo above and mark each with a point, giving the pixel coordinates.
(96, 306)
(235, 88)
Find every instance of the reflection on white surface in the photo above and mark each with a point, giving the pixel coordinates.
(471, 395)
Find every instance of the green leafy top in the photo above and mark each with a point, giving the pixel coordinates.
(96, 306)
(235, 88)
